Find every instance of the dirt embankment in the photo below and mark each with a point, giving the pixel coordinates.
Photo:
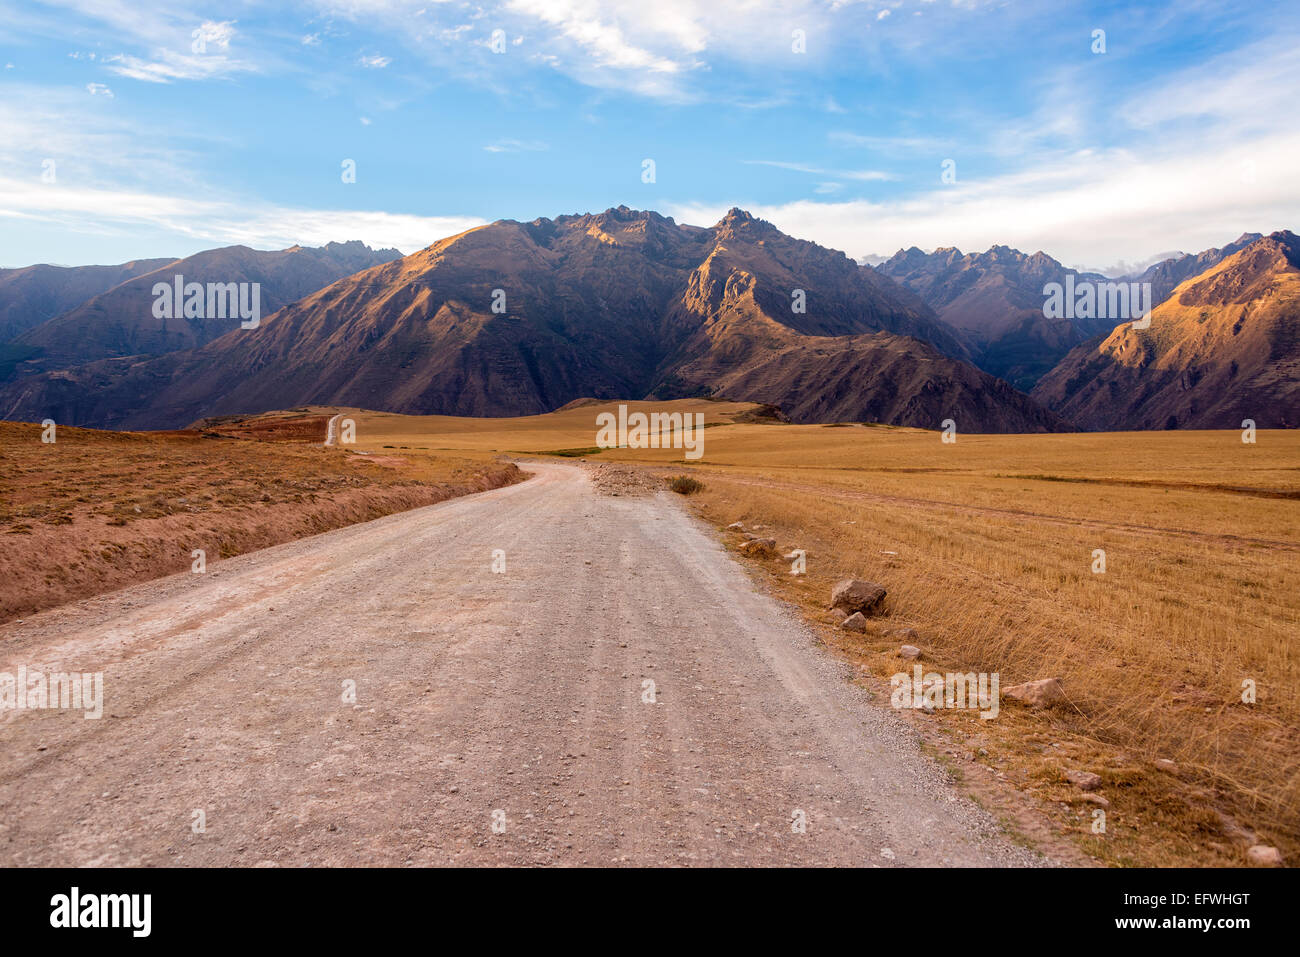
(97, 511)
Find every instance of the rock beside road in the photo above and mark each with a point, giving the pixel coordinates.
(855, 595)
(759, 547)
(1236, 832)
(855, 622)
(1084, 780)
(1261, 855)
(1043, 693)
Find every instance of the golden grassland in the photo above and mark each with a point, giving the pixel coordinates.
(98, 510)
(987, 548)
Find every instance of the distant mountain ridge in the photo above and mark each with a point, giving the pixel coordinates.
(120, 321)
(32, 294)
(994, 301)
(516, 318)
(1165, 275)
(1222, 349)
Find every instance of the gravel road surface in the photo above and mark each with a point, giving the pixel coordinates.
(500, 717)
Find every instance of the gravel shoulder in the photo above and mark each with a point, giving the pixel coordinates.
(518, 699)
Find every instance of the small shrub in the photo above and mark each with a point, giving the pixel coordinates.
(685, 485)
(570, 453)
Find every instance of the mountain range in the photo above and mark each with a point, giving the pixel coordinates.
(994, 302)
(1165, 275)
(516, 318)
(1224, 347)
(119, 321)
(33, 294)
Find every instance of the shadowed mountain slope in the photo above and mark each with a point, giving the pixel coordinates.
(121, 322)
(517, 318)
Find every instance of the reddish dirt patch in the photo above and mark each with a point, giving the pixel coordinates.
(97, 511)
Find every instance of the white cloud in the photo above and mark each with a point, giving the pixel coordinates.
(668, 49)
(375, 62)
(99, 89)
(208, 57)
(1203, 155)
(89, 141)
(1244, 88)
(865, 175)
(1086, 210)
(89, 210)
(598, 33)
(208, 46)
(892, 144)
(174, 66)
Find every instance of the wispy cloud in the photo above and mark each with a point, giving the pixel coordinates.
(865, 175)
(516, 146)
(1177, 137)
(887, 143)
(208, 57)
(92, 145)
(1086, 210)
(89, 210)
(169, 66)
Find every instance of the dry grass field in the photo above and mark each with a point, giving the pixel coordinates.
(95, 511)
(987, 548)
(986, 545)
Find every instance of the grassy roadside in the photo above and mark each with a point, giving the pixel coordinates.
(1153, 652)
(96, 511)
(986, 546)
(993, 541)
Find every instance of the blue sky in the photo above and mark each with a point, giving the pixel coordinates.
(175, 127)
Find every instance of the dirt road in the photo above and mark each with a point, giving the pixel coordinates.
(516, 699)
